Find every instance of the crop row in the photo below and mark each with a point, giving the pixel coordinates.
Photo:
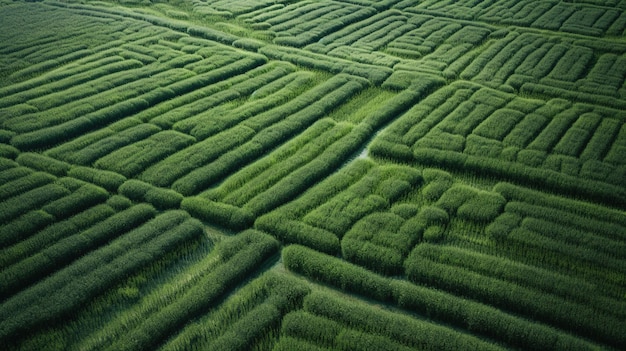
(256, 189)
(110, 78)
(86, 277)
(575, 213)
(159, 317)
(235, 189)
(62, 242)
(472, 316)
(68, 212)
(376, 189)
(391, 37)
(539, 220)
(245, 142)
(374, 120)
(306, 22)
(108, 64)
(266, 87)
(133, 159)
(289, 169)
(102, 55)
(447, 59)
(290, 223)
(154, 70)
(567, 287)
(327, 320)
(467, 9)
(551, 15)
(205, 91)
(350, 206)
(322, 215)
(143, 192)
(286, 223)
(549, 91)
(39, 196)
(375, 74)
(556, 233)
(381, 241)
(36, 48)
(372, 33)
(52, 131)
(264, 92)
(228, 8)
(539, 306)
(246, 317)
(155, 22)
(471, 204)
(116, 66)
(542, 249)
(434, 39)
(467, 126)
(102, 322)
(103, 141)
(520, 59)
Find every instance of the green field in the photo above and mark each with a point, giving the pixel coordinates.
(313, 175)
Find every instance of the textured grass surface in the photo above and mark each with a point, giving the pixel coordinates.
(315, 175)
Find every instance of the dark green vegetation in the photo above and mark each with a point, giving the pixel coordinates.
(313, 175)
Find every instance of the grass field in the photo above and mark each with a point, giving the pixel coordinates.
(313, 175)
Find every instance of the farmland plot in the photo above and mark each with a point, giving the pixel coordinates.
(316, 175)
(543, 142)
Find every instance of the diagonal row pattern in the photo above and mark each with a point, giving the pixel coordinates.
(315, 175)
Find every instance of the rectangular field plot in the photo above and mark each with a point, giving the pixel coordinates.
(305, 22)
(232, 7)
(595, 19)
(559, 145)
(30, 48)
(240, 138)
(43, 117)
(446, 235)
(540, 65)
(321, 216)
